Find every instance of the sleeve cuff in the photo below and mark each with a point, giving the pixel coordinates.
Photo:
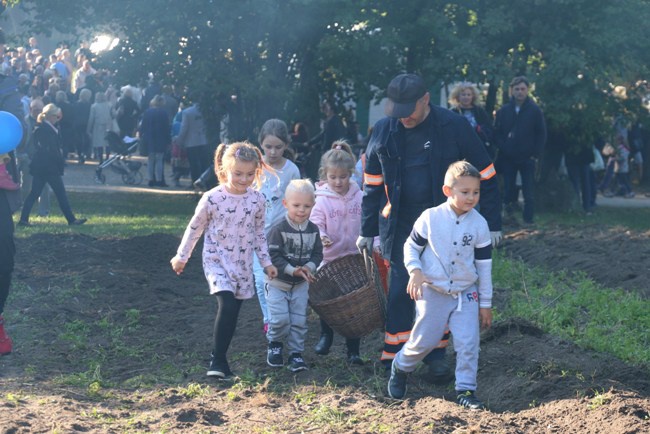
(289, 269)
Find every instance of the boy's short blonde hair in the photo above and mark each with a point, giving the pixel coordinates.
(459, 169)
(303, 186)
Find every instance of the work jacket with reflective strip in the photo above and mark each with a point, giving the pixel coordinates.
(451, 139)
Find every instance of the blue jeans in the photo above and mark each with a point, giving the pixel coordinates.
(509, 171)
(156, 166)
(258, 272)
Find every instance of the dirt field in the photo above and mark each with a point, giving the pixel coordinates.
(108, 339)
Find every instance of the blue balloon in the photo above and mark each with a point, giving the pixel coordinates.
(11, 132)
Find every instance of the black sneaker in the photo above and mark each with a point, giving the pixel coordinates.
(466, 398)
(274, 355)
(219, 369)
(297, 363)
(397, 382)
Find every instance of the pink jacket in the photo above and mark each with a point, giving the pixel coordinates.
(338, 218)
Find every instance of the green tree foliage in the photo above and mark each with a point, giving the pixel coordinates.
(282, 56)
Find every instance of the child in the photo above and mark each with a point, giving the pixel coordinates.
(448, 257)
(296, 251)
(232, 217)
(274, 140)
(6, 181)
(337, 214)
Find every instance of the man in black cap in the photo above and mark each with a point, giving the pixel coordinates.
(408, 154)
(9, 102)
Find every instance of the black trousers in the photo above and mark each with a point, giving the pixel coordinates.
(56, 182)
(7, 249)
(199, 159)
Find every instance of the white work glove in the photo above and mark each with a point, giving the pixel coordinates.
(365, 243)
(495, 236)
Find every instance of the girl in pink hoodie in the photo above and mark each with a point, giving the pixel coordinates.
(337, 214)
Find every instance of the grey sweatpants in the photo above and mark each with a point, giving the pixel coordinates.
(433, 312)
(287, 311)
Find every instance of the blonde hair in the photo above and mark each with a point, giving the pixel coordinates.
(303, 186)
(456, 91)
(48, 110)
(458, 170)
(339, 157)
(226, 156)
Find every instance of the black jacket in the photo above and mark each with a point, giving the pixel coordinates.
(292, 246)
(452, 139)
(48, 158)
(520, 136)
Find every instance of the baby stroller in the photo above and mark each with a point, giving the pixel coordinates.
(119, 161)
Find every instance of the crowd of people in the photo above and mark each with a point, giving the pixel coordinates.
(267, 229)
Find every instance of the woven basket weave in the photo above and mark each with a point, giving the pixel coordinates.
(348, 295)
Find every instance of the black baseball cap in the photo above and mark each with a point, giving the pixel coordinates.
(403, 92)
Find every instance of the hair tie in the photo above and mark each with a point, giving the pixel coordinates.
(237, 152)
(338, 147)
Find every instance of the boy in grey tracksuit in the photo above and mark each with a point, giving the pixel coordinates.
(296, 251)
(448, 257)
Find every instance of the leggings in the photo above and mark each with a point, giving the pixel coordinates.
(225, 323)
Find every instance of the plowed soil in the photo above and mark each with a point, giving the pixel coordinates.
(109, 339)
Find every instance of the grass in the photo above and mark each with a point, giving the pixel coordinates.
(574, 307)
(631, 218)
(118, 215)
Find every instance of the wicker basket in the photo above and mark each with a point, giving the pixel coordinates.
(348, 295)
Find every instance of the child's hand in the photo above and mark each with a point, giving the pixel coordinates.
(271, 271)
(485, 317)
(414, 287)
(303, 273)
(177, 265)
(309, 277)
(326, 241)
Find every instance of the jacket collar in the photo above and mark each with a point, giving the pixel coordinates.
(297, 226)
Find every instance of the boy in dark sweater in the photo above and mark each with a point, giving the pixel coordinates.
(296, 251)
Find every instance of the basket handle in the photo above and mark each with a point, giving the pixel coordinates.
(372, 276)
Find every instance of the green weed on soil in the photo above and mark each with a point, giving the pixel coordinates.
(570, 305)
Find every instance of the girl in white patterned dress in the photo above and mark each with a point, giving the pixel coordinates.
(232, 218)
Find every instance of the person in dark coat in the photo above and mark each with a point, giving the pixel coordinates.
(80, 117)
(520, 136)
(127, 113)
(333, 130)
(47, 166)
(156, 135)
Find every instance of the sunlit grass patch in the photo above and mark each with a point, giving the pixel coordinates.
(570, 305)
